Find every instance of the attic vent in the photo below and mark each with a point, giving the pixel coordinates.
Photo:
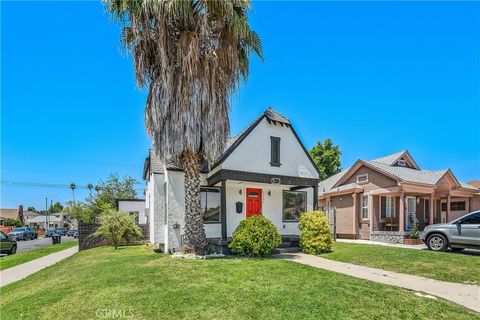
(275, 151)
(402, 163)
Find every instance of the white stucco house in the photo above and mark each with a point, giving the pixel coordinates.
(133, 207)
(265, 170)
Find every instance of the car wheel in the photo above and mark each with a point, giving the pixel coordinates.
(437, 242)
(13, 250)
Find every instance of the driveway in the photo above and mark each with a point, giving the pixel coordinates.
(38, 243)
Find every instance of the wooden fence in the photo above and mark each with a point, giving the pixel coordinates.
(86, 238)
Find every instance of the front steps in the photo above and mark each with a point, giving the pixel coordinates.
(290, 244)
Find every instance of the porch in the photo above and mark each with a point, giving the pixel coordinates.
(281, 199)
(290, 243)
(391, 213)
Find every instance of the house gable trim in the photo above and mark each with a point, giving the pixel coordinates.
(357, 166)
(224, 174)
(250, 128)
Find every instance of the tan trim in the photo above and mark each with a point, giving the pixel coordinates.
(401, 213)
(357, 166)
(326, 195)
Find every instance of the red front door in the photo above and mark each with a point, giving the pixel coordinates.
(254, 202)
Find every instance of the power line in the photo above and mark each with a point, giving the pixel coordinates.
(44, 185)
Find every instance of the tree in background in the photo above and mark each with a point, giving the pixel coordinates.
(110, 190)
(57, 207)
(191, 55)
(32, 209)
(104, 200)
(327, 158)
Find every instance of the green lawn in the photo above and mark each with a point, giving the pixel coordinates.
(22, 257)
(134, 281)
(444, 266)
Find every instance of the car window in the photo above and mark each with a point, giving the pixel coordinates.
(473, 219)
(19, 229)
(2, 236)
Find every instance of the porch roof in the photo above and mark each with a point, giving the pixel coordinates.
(225, 174)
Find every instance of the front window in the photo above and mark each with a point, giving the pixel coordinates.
(294, 204)
(364, 207)
(386, 207)
(210, 204)
(135, 215)
(454, 206)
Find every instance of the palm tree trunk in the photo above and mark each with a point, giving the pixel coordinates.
(194, 233)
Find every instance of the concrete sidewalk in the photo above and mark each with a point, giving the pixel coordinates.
(384, 244)
(25, 269)
(462, 294)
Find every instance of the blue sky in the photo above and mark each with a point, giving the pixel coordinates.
(376, 77)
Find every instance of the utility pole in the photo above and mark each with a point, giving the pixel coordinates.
(46, 216)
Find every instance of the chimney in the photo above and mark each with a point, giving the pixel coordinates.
(20, 214)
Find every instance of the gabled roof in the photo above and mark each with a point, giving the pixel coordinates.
(385, 165)
(391, 159)
(271, 116)
(9, 213)
(153, 163)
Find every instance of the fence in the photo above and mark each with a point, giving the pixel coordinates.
(331, 213)
(87, 240)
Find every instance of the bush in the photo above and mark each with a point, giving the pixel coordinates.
(12, 222)
(255, 237)
(116, 226)
(315, 235)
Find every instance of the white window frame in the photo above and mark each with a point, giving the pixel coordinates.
(361, 176)
(392, 207)
(364, 200)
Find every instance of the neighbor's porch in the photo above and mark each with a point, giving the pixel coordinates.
(391, 213)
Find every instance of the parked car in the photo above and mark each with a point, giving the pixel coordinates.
(459, 234)
(49, 233)
(72, 233)
(23, 233)
(61, 231)
(8, 244)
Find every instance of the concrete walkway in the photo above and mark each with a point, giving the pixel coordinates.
(395, 245)
(25, 269)
(462, 294)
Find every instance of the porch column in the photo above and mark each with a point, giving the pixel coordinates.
(223, 208)
(315, 198)
(401, 218)
(448, 208)
(355, 219)
(469, 203)
(370, 211)
(430, 216)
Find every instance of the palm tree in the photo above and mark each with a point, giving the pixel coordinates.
(191, 55)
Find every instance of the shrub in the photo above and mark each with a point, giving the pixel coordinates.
(414, 234)
(12, 222)
(116, 226)
(255, 237)
(315, 235)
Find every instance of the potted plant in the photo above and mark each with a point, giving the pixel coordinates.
(413, 237)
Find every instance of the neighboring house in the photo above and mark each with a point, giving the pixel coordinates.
(42, 221)
(380, 199)
(133, 207)
(12, 213)
(265, 170)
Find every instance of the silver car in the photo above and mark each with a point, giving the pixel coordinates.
(459, 234)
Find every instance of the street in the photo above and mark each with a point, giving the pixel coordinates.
(38, 243)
